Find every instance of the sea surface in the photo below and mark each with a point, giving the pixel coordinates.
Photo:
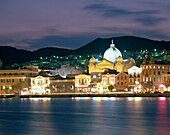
(85, 116)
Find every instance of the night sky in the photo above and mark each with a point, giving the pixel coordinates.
(32, 24)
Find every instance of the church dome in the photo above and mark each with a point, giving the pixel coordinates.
(112, 53)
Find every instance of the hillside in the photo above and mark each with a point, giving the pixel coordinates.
(11, 55)
(123, 43)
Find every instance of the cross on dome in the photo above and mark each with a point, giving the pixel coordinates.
(112, 44)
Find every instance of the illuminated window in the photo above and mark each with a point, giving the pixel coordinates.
(146, 79)
(143, 79)
(150, 79)
(154, 67)
(104, 80)
(159, 79)
(146, 67)
(162, 67)
(150, 67)
(111, 81)
(158, 67)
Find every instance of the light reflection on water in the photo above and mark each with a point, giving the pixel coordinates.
(85, 115)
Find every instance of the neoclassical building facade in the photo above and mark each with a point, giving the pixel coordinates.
(113, 60)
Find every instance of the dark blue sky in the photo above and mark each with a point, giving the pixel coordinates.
(32, 24)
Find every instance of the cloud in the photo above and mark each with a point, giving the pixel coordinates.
(144, 17)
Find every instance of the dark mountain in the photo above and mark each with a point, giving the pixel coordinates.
(123, 43)
(44, 52)
(11, 55)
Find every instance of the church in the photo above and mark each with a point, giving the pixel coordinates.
(113, 60)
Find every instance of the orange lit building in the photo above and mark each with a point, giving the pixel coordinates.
(153, 74)
(122, 81)
(13, 77)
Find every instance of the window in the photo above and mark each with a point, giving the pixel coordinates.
(164, 79)
(46, 81)
(143, 79)
(154, 67)
(154, 79)
(143, 73)
(158, 67)
(121, 77)
(159, 79)
(104, 80)
(150, 67)
(134, 74)
(125, 77)
(12, 80)
(118, 83)
(117, 78)
(146, 72)
(22, 73)
(19, 80)
(150, 79)
(150, 72)
(111, 81)
(146, 67)
(10, 74)
(121, 83)
(134, 80)
(159, 72)
(130, 80)
(99, 74)
(15, 73)
(146, 79)
(125, 83)
(154, 72)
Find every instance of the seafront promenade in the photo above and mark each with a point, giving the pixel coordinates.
(65, 95)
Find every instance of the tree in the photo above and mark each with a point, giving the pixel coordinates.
(111, 87)
(1, 63)
(23, 84)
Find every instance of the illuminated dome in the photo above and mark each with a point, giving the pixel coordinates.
(112, 53)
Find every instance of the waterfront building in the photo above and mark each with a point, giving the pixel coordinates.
(154, 73)
(40, 85)
(82, 83)
(16, 79)
(122, 81)
(108, 79)
(62, 85)
(134, 78)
